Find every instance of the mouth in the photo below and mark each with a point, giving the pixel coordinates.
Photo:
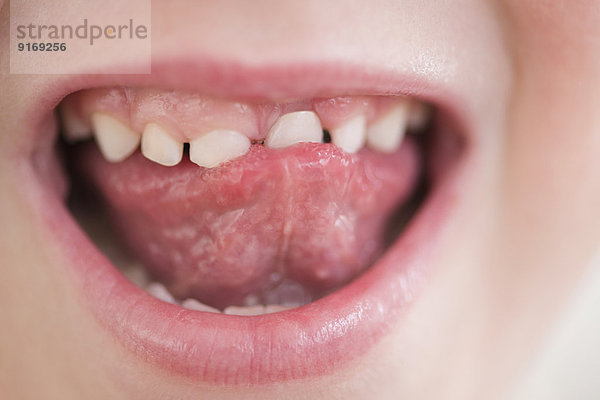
(241, 230)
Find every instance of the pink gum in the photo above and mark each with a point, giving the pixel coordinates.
(187, 115)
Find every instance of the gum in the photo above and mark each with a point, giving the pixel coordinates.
(188, 115)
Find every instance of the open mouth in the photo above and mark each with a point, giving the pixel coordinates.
(273, 206)
(246, 239)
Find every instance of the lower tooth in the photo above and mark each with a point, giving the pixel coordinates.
(160, 292)
(252, 310)
(192, 304)
(256, 310)
(273, 308)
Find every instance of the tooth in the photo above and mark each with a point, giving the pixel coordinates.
(418, 115)
(115, 139)
(252, 310)
(218, 146)
(193, 304)
(160, 292)
(385, 134)
(273, 308)
(160, 147)
(75, 128)
(296, 127)
(351, 135)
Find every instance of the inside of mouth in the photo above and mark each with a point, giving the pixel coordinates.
(275, 228)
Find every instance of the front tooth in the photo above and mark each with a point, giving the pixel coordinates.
(116, 140)
(385, 134)
(273, 308)
(193, 304)
(218, 146)
(351, 135)
(160, 147)
(75, 128)
(252, 310)
(160, 292)
(295, 127)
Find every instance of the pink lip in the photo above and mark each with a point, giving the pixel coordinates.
(305, 342)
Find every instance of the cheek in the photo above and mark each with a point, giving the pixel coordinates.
(552, 183)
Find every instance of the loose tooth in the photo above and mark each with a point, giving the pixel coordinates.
(160, 292)
(418, 116)
(160, 147)
(351, 135)
(116, 140)
(386, 133)
(193, 304)
(295, 127)
(75, 128)
(218, 146)
(252, 310)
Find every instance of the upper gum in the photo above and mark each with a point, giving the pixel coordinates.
(170, 110)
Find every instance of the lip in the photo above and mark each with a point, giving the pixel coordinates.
(309, 341)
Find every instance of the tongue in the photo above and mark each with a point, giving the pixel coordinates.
(275, 226)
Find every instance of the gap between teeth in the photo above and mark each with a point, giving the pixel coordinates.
(117, 141)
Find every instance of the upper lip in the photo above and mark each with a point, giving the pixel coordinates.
(215, 348)
(235, 80)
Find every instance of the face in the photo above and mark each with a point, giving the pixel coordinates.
(400, 193)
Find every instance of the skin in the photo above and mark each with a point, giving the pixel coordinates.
(518, 245)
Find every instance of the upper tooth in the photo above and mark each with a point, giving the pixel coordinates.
(385, 134)
(116, 140)
(295, 127)
(218, 146)
(160, 147)
(351, 135)
(75, 128)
